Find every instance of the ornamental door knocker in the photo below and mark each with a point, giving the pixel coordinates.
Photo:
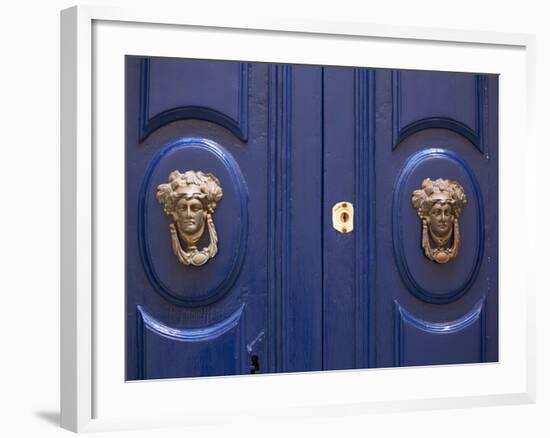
(439, 204)
(191, 198)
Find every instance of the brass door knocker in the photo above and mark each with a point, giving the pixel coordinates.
(191, 198)
(439, 204)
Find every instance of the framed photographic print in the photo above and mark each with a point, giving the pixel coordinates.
(287, 217)
(247, 207)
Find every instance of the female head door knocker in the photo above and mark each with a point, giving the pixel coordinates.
(439, 204)
(190, 198)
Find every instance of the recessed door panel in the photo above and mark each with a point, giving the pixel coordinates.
(176, 89)
(454, 101)
(420, 342)
(169, 352)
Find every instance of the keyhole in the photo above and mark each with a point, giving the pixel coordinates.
(255, 364)
(342, 217)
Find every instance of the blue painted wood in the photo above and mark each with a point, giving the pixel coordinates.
(428, 293)
(454, 101)
(287, 143)
(237, 277)
(450, 281)
(340, 285)
(349, 175)
(301, 220)
(189, 285)
(278, 126)
(421, 342)
(174, 89)
(216, 350)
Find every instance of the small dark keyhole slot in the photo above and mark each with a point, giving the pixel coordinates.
(344, 217)
(255, 364)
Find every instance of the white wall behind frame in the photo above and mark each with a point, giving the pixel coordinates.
(112, 40)
(30, 262)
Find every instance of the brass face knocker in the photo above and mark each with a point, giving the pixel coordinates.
(439, 204)
(190, 198)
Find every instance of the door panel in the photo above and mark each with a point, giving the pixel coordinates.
(454, 101)
(216, 350)
(254, 127)
(185, 320)
(349, 337)
(175, 89)
(299, 188)
(428, 312)
(420, 342)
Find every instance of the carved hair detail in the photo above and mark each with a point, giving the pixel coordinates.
(210, 190)
(424, 199)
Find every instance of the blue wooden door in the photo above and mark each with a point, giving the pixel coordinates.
(388, 135)
(257, 279)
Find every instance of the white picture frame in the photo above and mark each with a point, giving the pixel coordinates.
(93, 396)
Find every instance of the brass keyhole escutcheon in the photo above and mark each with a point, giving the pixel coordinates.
(342, 217)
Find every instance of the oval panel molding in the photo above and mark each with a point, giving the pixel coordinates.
(176, 282)
(429, 281)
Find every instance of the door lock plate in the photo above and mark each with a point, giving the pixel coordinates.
(342, 217)
(189, 199)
